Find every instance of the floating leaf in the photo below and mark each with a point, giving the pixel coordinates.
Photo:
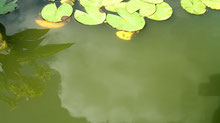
(110, 2)
(93, 16)
(126, 21)
(91, 3)
(153, 1)
(214, 4)
(71, 2)
(52, 14)
(115, 7)
(7, 7)
(163, 12)
(124, 35)
(194, 6)
(50, 25)
(146, 9)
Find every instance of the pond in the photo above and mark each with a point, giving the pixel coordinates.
(168, 73)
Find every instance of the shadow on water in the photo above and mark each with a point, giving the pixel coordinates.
(212, 89)
(22, 72)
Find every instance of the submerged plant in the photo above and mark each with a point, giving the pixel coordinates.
(24, 52)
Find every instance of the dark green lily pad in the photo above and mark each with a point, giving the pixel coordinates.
(213, 4)
(163, 12)
(145, 8)
(196, 7)
(52, 14)
(126, 21)
(6, 7)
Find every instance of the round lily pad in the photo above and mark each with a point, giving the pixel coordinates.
(146, 9)
(193, 6)
(126, 21)
(214, 4)
(6, 7)
(163, 12)
(153, 1)
(93, 16)
(52, 14)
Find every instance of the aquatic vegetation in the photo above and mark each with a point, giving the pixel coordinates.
(24, 52)
(41, 22)
(52, 14)
(93, 16)
(213, 4)
(127, 15)
(3, 43)
(126, 21)
(196, 7)
(71, 2)
(129, 19)
(122, 15)
(163, 12)
(145, 9)
(153, 1)
(6, 7)
(124, 35)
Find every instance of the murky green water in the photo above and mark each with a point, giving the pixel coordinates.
(169, 73)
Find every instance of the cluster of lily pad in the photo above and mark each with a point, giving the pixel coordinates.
(127, 16)
(198, 7)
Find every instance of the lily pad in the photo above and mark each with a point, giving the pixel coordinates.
(47, 24)
(196, 7)
(126, 21)
(124, 35)
(91, 3)
(163, 12)
(71, 2)
(214, 4)
(146, 9)
(52, 14)
(153, 1)
(115, 7)
(93, 16)
(6, 6)
(110, 2)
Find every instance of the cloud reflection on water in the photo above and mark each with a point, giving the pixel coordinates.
(121, 85)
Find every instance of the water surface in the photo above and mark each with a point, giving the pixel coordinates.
(169, 72)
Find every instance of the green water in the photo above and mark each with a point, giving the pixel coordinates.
(168, 73)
